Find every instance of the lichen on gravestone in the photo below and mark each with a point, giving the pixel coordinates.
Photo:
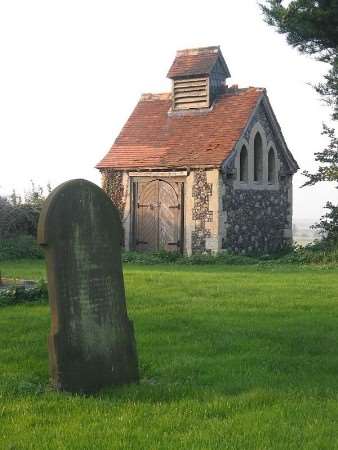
(91, 344)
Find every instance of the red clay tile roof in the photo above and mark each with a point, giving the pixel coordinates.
(152, 138)
(198, 61)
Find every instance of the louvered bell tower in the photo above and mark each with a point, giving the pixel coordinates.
(198, 75)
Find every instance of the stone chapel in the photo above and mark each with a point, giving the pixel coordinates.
(203, 168)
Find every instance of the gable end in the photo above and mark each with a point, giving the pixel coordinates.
(264, 116)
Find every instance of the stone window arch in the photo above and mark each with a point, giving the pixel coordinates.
(271, 166)
(258, 158)
(243, 164)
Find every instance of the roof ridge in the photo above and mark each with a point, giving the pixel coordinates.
(153, 96)
(198, 50)
(148, 96)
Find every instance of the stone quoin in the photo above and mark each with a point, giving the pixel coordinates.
(203, 168)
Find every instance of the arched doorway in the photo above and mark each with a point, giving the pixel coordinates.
(158, 216)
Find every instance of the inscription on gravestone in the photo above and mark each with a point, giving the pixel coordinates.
(92, 343)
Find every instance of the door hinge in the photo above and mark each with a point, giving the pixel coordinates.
(151, 205)
(178, 243)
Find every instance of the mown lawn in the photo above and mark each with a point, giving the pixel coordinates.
(231, 358)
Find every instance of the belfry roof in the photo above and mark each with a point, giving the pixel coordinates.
(197, 61)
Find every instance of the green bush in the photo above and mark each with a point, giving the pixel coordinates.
(163, 257)
(21, 247)
(317, 253)
(20, 215)
(16, 294)
(25, 247)
(150, 258)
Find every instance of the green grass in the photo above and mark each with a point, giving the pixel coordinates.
(34, 269)
(242, 357)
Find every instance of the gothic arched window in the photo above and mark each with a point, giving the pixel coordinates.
(271, 166)
(258, 158)
(243, 164)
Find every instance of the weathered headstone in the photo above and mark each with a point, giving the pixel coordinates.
(92, 343)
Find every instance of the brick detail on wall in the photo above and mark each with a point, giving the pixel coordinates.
(201, 214)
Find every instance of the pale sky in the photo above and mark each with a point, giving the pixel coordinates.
(72, 72)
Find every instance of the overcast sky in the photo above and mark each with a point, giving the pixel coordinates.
(72, 72)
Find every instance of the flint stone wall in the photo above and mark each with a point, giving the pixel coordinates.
(201, 214)
(204, 211)
(115, 184)
(258, 219)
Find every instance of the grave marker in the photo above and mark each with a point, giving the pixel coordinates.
(92, 343)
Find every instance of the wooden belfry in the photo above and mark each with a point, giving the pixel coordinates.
(198, 75)
(91, 344)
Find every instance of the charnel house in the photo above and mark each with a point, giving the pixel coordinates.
(204, 167)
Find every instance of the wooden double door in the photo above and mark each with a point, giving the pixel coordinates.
(158, 215)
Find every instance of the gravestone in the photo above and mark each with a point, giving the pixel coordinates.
(92, 343)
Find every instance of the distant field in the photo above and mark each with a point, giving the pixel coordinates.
(242, 357)
(303, 240)
(303, 234)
